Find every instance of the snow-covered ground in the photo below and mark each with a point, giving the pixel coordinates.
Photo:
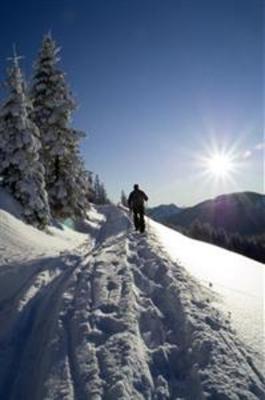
(238, 281)
(107, 313)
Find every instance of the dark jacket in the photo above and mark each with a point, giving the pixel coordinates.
(136, 199)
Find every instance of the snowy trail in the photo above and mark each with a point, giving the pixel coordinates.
(116, 318)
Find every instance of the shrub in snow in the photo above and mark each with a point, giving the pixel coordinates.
(20, 167)
(66, 179)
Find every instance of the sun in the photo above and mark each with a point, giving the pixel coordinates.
(219, 165)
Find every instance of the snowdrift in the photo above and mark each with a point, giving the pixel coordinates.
(109, 314)
(237, 283)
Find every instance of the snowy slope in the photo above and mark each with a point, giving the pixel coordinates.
(20, 241)
(107, 314)
(238, 281)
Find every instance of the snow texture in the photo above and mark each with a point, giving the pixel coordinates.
(20, 168)
(237, 281)
(112, 317)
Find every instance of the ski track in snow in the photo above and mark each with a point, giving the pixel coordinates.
(116, 318)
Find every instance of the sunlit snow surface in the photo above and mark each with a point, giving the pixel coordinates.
(104, 313)
(238, 281)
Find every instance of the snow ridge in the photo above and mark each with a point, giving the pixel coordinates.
(117, 319)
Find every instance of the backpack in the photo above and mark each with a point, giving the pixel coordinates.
(136, 199)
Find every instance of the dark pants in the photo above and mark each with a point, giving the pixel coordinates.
(138, 218)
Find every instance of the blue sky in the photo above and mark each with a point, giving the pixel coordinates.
(159, 83)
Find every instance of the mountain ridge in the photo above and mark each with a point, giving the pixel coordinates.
(238, 212)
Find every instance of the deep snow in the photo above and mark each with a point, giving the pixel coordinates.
(238, 281)
(107, 313)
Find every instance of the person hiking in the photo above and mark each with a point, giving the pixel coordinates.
(136, 201)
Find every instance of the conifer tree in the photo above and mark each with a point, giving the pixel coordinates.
(100, 194)
(97, 189)
(20, 168)
(124, 200)
(66, 177)
(103, 195)
(90, 192)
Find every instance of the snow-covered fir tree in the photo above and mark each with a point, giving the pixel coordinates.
(66, 177)
(100, 194)
(90, 193)
(97, 189)
(21, 171)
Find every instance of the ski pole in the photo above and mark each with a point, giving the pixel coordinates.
(147, 217)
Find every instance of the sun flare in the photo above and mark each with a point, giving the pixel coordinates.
(219, 165)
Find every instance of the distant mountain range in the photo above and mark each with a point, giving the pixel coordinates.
(242, 213)
(164, 211)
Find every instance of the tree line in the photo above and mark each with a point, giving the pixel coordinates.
(40, 161)
(252, 246)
